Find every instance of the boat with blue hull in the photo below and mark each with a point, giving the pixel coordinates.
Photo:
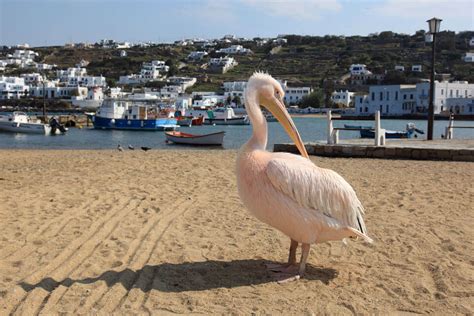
(123, 115)
(369, 131)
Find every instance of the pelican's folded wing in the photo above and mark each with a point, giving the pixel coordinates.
(321, 190)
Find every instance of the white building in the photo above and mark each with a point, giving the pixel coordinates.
(123, 53)
(462, 106)
(469, 58)
(344, 98)
(150, 72)
(12, 87)
(63, 75)
(411, 99)
(222, 64)
(234, 49)
(294, 95)
(197, 55)
(32, 79)
(183, 82)
(399, 68)
(359, 69)
(471, 42)
(55, 92)
(41, 66)
(93, 99)
(417, 68)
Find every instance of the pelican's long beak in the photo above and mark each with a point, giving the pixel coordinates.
(278, 109)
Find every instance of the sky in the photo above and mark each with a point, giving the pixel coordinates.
(56, 22)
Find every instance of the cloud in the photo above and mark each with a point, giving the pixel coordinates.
(300, 9)
(425, 9)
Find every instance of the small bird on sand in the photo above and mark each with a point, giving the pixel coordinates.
(309, 204)
(131, 147)
(119, 147)
(144, 148)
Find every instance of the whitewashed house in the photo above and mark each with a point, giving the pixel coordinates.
(345, 98)
(471, 42)
(399, 68)
(197, 55)
(41, 66)
(461, 106)
(183, 82)
(410, 99)
(51, 91)
(469, 57)
(13, 87)
(93, 99)
(150, 72)
(294, 95)
(416, 68)
(359, 69)
(222, 64)
(123, 53)
(76, 76)
(32, 78)
(234, 49)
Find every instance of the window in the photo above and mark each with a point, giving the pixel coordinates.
(396, 95)
(465, 93)
(404, 97)
(386, 107)
(366, 109)
(457, 93)
(380, 108)
(373, 97)
(442, 91)
(451, 92)
(381, 95)
(411, 96)
(388, 95)
(360, 110)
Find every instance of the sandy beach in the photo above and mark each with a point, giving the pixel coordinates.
(162, 232)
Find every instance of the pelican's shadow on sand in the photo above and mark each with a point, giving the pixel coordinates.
(188, 276)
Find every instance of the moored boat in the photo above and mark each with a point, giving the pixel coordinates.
(123, 115)
(213, 139)
(20, 122)
(408, 133)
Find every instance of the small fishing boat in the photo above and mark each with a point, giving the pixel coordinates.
(190, 120)
(408, 133)
(213, 139)
(358, 126)
(20, 122)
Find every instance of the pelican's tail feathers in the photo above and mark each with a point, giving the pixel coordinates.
(361, 235)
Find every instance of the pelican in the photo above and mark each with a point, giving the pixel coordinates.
(309, 204)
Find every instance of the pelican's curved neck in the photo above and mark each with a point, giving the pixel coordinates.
(259, 123)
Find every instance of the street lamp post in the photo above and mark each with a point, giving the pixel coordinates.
(434, 24)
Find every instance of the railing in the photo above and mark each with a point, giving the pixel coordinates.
(333, 132)
(449, 131)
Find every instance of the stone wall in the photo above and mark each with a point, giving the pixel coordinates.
(363, 151)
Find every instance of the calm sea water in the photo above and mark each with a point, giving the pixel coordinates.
(311, 129)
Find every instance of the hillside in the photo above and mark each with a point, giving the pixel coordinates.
(305, 60)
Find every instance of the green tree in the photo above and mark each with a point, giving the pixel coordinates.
(237, 100)
(315, 99)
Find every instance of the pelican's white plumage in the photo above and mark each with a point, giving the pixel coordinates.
(307, 203)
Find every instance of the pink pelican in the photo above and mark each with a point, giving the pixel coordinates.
(288, 192)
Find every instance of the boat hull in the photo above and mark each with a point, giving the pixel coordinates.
(231, 121)
(30, 128)
(214, 139)
(366, 133)
(160, 124)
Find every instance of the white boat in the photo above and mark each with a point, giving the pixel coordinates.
(20, 122)
(215, 139)
(220, 116)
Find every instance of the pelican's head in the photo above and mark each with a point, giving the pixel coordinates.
(269, 94)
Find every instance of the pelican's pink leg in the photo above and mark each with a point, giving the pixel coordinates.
(304, 257)
(276, 267)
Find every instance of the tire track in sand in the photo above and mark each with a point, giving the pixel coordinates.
(79, 250)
